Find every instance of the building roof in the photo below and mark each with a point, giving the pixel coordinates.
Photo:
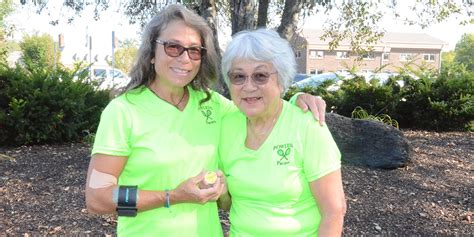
(389, 40)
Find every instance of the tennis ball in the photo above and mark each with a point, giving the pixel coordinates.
(210, 177)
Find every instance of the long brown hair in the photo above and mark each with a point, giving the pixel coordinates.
(143, 73)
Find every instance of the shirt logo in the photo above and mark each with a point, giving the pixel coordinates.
(283, 151)
(207, 113)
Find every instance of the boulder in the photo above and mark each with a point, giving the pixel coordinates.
(369, 143)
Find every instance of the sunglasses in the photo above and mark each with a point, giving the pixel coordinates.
(175, 50)
(258, 78)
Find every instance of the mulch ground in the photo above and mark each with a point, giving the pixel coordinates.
(42, 191)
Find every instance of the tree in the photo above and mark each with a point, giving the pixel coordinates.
(39, 52)
(447, 60)
(5, 9)
(465, 51)
(125, 55)
(357, 20)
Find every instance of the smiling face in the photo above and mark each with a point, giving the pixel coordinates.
(255, 101)
(173, 72)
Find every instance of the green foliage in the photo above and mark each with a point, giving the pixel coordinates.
(360, 113)
(41, 106)
(356, 21)
(88, 137)
(465, 51)
(125, 56)
(6, 7)
(441, 102)
(447, 60)
(39, 52)
(372, 96)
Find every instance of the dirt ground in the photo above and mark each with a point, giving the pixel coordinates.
(42, 191)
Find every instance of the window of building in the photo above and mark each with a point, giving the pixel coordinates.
(385, 56)
(312, 71)
(406, 56)
(298, 54)
(316, 54)
(369, 56)
(342, 55)
(429, 57)
(367, 71)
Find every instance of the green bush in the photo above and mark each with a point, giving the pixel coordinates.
(372, 96)
(441, 102)
(360, 113)
(46, 106)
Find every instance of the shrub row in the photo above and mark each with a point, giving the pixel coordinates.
(440, 102)
(50, 106)
(46, 106)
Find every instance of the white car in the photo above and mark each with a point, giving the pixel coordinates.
(318, 79)
(107, 77)
(110, 78)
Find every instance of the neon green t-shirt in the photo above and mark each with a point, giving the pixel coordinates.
(164, 146)
(270, 186)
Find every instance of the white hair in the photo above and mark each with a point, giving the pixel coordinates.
(261, 45)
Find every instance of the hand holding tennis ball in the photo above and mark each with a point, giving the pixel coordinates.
(210, 177)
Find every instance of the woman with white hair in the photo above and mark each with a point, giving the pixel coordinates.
(283, 173)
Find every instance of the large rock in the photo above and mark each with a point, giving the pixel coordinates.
(369, 143)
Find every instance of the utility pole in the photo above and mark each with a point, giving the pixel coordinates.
(90, 49)
(113, 56)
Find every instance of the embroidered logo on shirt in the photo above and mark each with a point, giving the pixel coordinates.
(283, 151)
(207, 113)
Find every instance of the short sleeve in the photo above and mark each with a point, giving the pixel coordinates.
(112, 137)
(295, 97)
(321, 154)
(226, 106)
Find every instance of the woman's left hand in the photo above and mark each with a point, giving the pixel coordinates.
(314, 103)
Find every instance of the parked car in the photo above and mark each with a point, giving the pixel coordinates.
(318, 79)
(106, 77)
(338, 77)
(300, 77)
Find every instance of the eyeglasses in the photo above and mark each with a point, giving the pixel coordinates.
(259, 78)
(175, 50)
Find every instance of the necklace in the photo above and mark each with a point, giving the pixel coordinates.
(175, 105)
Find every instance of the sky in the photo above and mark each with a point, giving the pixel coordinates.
(27, 21)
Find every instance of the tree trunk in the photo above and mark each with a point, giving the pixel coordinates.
(209, 12)
(243, 15)
(262, 13)
(289, 20)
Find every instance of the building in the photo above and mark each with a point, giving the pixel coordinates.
(392, 52)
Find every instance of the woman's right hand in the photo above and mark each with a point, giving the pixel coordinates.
(189, 191)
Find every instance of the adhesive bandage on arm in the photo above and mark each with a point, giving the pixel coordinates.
(101, 180)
